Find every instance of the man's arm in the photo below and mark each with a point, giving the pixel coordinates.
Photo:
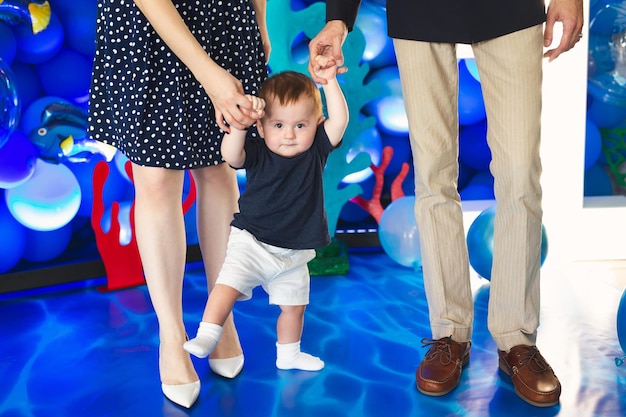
(344, 10)
(340, 18)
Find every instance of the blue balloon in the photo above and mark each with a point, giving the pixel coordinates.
(241, 180)
(372, 21)
(388, 108)
(479, 187)
(471, 104)
(482, 177)
(597, 182)
(32, 117)
(621, 321)
(8, 46)
(607, 47)
(114, 187)
(472, 67)
(123, 218)
(473, 147)
(120, 163)
(477, 192)
(48, 200)
(18, 158)
(465, 175)
(9, 103)
(593, 144)
(399, 234)
(604, 114)
(37, 48)
(28, 87)
(46, 246)
(66, 75)
(370, 142)
(191, 225)
(79, 24)
(12, 238)
(480, 242)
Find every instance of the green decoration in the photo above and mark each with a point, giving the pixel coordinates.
(331, 259)
(290, 30)
(614, 150)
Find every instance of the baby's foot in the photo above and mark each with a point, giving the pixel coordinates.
(288, 356)
(207, 337)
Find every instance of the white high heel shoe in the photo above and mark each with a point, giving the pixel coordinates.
(228, 368)
(184, 395)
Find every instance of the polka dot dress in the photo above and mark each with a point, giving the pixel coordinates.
(145, 102)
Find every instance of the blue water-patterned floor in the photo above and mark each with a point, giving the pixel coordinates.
(84, 353)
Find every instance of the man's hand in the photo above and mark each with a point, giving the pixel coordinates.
(327, 43)
(570, 14)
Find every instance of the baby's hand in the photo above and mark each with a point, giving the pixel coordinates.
(258, 104)
(326, 67)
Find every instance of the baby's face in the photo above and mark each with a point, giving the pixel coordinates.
(289, 129)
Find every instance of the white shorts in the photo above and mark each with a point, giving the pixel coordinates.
(283, 273)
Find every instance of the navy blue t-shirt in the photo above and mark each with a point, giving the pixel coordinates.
(283, 203)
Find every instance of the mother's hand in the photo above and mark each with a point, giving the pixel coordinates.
(232, 107)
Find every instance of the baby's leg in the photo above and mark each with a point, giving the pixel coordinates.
(289, 331)
(219, 306)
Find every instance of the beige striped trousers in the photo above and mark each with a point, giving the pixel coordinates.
(510, 69)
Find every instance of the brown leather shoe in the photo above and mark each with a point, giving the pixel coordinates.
(440, 370)
(533, 379)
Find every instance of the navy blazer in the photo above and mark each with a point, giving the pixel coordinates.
(452, 21)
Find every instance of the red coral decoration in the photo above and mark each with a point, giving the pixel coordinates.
(373, 206)
(122, 263)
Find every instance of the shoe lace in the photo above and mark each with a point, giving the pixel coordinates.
(439, 348)
(533, 359)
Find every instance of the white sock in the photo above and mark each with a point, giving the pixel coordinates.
(206, 339)
(288, 356)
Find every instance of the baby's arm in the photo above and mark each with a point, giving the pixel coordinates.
(232, 147)
(335, 124)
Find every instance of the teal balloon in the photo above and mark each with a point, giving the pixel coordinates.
(480, 243)
(9, 103)
(398, 232)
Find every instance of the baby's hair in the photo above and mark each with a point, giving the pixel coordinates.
(289, 87)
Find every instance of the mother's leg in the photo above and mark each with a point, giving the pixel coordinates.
(160, 231)
(217, 201)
